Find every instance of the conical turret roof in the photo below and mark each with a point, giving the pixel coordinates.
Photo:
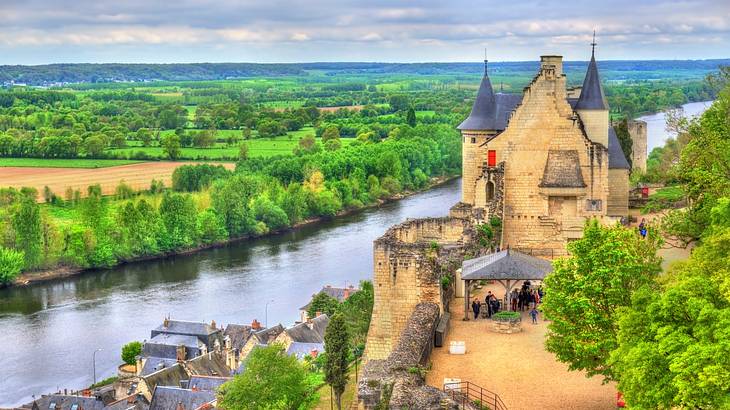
(484, 111)
(591, 95)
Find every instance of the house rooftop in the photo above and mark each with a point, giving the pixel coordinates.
(309, 332)
(182, 327)
(176, 398)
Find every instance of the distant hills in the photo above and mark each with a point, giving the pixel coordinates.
(43, 75)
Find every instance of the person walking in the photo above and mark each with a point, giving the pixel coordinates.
(514, 298)
(533, 315)
(488, 301)
(475, 306)
(642, 228)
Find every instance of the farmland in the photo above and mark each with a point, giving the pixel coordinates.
(63, 163)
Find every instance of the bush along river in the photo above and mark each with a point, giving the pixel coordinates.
(51, 329)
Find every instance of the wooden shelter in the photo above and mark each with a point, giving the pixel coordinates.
(506, 267)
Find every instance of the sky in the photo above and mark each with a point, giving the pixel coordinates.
(153, 31)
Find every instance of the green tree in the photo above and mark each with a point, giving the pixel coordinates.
(586, 289)
(171, 145)
(145, 136)
(272, 380)
(243, 152)
(674, 344)
(337, 348)
(411, 117)
(11, 264)
(179, 218)
(27, 224)
(130, 351)
(322, 303)
(94, 146)
(624, 138)
(330, 133)
(358, 309)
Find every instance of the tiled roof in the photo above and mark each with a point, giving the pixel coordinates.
(65, 402)
(562, 170)
(238, 334)
(169, 376)
(591, 94)
(182, 327)
(266, 336)
(211, 364)
(175, 398)
(153, 364)
(616, 157)
(301, 350)
(507, 264)
(208, 383)
(490, 111)
(306, 334)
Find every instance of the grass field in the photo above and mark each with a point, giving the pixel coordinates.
(257, 147)
(63, 163)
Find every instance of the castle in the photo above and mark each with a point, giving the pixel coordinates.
(542, 163)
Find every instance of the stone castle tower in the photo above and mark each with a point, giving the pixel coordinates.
(543, 162)
(637, 130)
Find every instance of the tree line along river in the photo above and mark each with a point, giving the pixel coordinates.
(51, 329)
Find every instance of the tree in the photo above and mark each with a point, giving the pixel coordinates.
(333, 144)
(27, 224)
(357, 310)
(171, 145)
(11, 264)
(130, 351)
(322, 303)
(272, 380)
(94, 146)
(179, 217)
(674, 344)
(411, 117)
(586, 289)
(624, 138)
(145, 136)
(337, 348)
(243, 152)
(330, 133)
(399, 102)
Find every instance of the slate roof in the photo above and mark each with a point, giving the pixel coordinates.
(207, 383)
(507, 264)
(65, 402)
(165, 345)
(591, 95)
(153, 364)
(171, 398)
(211, 364)
(562, 170)
(132, 402)
(306, 334)
(238, 334)
(490, 111)
(301, 350)
(616, 157)
(182, 327)
(337, 293)
(169, 376)
(266, 336)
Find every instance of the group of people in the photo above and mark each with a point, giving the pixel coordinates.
(525, 298)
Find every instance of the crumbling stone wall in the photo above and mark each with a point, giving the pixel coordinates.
(408, 268)
(398, 379)
(637, 131)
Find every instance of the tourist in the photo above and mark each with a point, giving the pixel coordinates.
(475, 306)
(514, 298)
(488, 301)
(642, 228)
(531, 300)
(533, 315)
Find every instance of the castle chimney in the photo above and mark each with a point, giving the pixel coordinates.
(180, 353)
(554, 62)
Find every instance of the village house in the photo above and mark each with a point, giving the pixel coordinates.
(340, 294)
(177, 398)
(306, 338)
(259, 337)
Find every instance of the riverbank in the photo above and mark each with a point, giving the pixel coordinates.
(60, 272)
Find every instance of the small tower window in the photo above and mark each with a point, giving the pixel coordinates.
(490, 191)
(492, 158)
(473, 140)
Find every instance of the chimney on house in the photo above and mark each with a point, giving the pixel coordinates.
(555, 62)
(138, 365)
(314, 353)
(347, 293)
(255, 325)
(180, 353)
(180, 406)
(212, 324)
(195, 388)
(166, 322)
(309, 322)
(317, 314)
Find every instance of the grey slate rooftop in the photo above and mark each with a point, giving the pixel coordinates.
(153, 364)
(238, 334)
(302, 350)
(207, 383)
(175, 398)
(182, 327)
(66, 402)
(490, 111)
(591, 95)
(338, 293)
(616, 157)
(306, 334)
(506, 264)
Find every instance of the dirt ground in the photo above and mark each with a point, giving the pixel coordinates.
(515, 366)
(138, 176)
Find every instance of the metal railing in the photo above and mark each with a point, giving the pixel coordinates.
(470, 396)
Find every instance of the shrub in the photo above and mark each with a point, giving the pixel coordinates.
(11, 263)
(130, 351)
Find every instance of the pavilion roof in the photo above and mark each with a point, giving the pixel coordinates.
(506, 264)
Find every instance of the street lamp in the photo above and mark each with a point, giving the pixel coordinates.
(93, 360)
(266, 313)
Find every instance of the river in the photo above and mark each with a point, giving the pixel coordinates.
(51, 329)
(656, 132)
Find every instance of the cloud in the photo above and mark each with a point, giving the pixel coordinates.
(346, 29)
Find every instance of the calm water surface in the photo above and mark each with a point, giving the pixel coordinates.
(50, 330)
(656, 132)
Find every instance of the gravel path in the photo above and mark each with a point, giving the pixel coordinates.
(515, 366)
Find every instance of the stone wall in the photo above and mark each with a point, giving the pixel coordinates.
(618, 197)
(406, 274)
(637, 131)
(398, 379)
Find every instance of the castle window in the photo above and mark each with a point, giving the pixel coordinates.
(490, 190)
(473, 140)
(492, 158)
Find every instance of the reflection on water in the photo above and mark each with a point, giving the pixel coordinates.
(51, 329)
(656, 132)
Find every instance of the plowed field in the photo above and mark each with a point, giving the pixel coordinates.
(138, 176)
